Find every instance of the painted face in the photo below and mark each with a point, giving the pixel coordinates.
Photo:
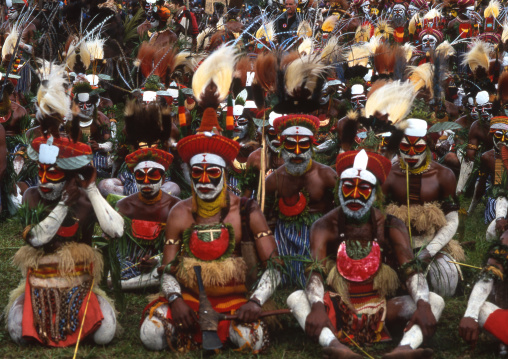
(12, 13)
(358, 101)
(149, 181)
(499, 138)
(399, 15)
(429, 42)
(208, 181)
(412, 10)
(483, 108)
(86, 105)
(272, 139)
(51, 182)
(413, 150)
(356, 196)
(241, 126)
(297, 154)
(366, 9)
(470, 12)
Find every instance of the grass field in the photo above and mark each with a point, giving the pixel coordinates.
(289, 343)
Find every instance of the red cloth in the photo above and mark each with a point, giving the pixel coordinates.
(496, 325)
(93, 320)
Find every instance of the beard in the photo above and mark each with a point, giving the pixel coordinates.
(241, 132)
(398, 20)
(361, 212)
(420, 159)
(214, 192)
(149, 190)
(296, 169)
(54, 190)
(273, 148)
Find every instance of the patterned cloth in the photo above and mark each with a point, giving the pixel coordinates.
(293, 239)
(490, 210)
(100, 162)
(133, 255)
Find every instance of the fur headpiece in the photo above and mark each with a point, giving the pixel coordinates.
(195, 146)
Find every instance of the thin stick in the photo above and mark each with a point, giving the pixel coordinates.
(83, 320)
(408, 211)
(465, 265)
(358, 346)
(263, 165)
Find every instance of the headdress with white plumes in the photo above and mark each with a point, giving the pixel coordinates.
(504, 35)
(330, 23)
(331, 52)
(52, 98)
(394, 99)
(10, 42)
(203, 38)
(212, 79)
(306, 47)
(408, 48)
(363, 32)
(96, 48)
(358, 55)
(446, 49)
(478, 56)
(492, 10)
(304, 29)
(77, 57)
(432, 13)
(421, 76)
(383, 29)
(266, 30)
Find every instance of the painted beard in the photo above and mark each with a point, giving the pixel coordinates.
(409, 160)
(214, 190)
(296, 169)
(272, 144)
(240, 131)
(149, 190)
(362, 211)
(399, 20)
(88, 112)
(51, 191)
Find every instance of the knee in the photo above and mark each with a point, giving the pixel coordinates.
(252, 336)
(106, 332)
(295, 298)
(437, 304)
(152, 333)
(15, 320)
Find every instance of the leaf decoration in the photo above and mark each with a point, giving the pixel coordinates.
(444, 126)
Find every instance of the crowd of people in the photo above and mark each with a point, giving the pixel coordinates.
(222, 150)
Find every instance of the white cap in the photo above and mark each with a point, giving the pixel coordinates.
(357, 89)
(149, 96)
(482, 98)
(273, 116)
(83, 96)
(148, 164)
(173, 92)
(297, 131)
(359, 169)
(93, 79)
(48, 153)
(238, 110)
(250, 105)
(416, 127)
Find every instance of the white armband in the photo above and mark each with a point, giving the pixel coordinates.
(501, 207)
(315, 290)
(445, 234)
(267, 284)
(418, 287)
(479, 295)
(106, 146)
(110, 220)
(169, 285)
(45, 230)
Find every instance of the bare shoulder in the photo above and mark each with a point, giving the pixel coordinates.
(125, 202)
(254, 159)
(444, 173)
(329, 222)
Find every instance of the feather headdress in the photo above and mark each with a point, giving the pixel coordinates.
(445, 49)
(77, 59)
(212, 79)
(52, 98)
(408, 49)
(394, 99)
(478, 56)
(304, 29)
(10, 42)
(383, 29)
(492, 10)
(155, 60)
(421, 76)
(363, 33)
(504, 35)
(330, 23)
(203, 38)
(432, 14)
(358, 55)
(413, 22)
(331, 51)
(306, 47)
(96, 48)
(266, 30)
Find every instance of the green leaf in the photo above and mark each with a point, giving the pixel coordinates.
(444, 126)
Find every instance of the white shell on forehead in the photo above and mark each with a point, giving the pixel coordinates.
(297, 130)
(148, 164)
(482, 98)
(83, 97)
(207, 158)
(48, 153)
(237, 110)
(273, 116)
(93, 79)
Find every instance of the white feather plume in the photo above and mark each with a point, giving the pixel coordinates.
(52, 97)
(394, 99)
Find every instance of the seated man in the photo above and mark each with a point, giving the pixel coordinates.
(146, 213)
(491, 314)
(213, 229)
(365, 248)
(62, 270)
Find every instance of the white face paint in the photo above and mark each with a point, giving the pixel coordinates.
(149, 181)
(208, 181)
(241, 127)
(51, 191)
(429, 42)
(360, 212)
(412, 10)
(296, 164)
(366, 9)
(470, 12)
(413, 153)
(12, 14)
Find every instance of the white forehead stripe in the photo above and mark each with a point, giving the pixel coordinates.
(207, 158)
(500, 126)
(359, 169)
(148, 164)
(297, 130)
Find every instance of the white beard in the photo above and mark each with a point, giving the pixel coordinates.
(421, 159)
(213, 194)
(154, 189)
(271, 145)
(361, 212)
(57, 189)
(293, 168)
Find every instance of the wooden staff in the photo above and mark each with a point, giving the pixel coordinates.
(83, 320)
(263, 165)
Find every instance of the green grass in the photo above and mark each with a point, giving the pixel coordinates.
(288, 343)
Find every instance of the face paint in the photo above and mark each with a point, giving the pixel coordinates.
(272, 140)
(356, 197)
(208, 181)
(297, 154)
(149, 181)
(413, 150)
(51, 182)
(412, 10)
(12, 14)
(87, 108)
(429, 42)
(241, 126)
(500, 137)
(484, 112)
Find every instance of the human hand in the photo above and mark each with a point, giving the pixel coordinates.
(184, 317)
(469, 330)
(70, 194)
(423, 317)
(94, 145)
(249, 312)
(316, 321)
